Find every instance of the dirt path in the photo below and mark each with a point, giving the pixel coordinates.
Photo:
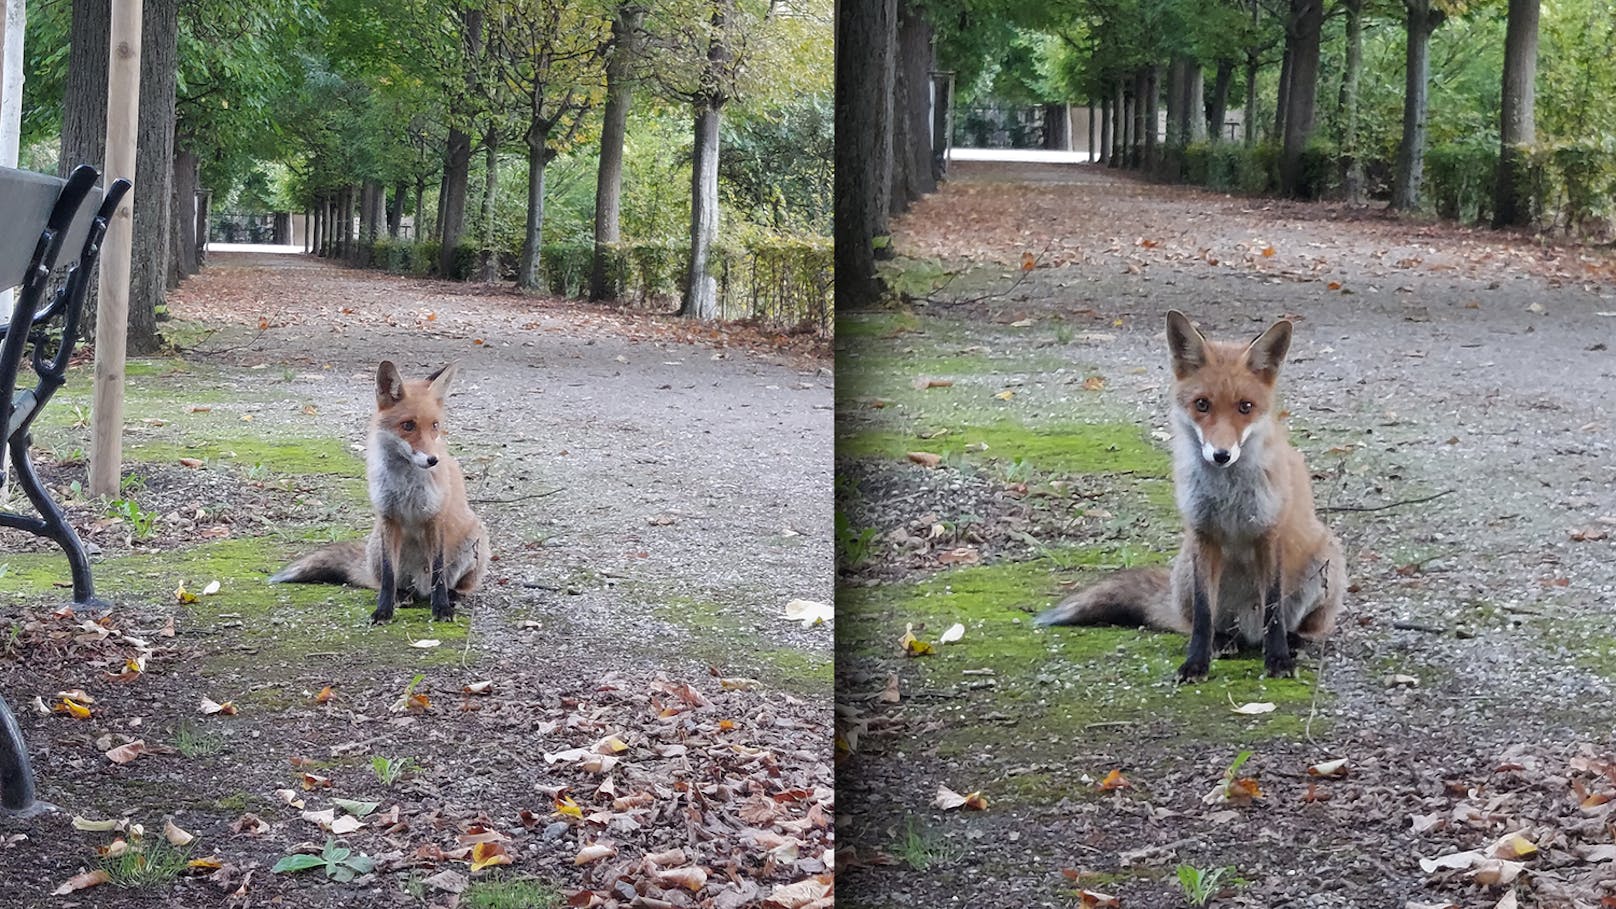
(1470, 686)
(655, 495)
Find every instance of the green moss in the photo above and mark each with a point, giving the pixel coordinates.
(1055, 688)
(1071, 448)
(725, 637)
(510, 892)
(876, 324)
(282, 456)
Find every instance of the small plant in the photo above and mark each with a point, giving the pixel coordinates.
(258, 473)
(132, 483)
(1200, 886)
(1063, 334)
(81, 416)
(340, 863)
(510, 893)
(195, 743)
(1018, 471)
(152, 862)
(141, 522)
(920, 849)
(388, 770)
(854, 545)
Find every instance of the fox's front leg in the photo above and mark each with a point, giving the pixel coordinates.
(1278, 661)
(387, 575)
(442, 606)
(1208, 567)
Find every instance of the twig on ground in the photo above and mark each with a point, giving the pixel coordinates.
(517, 498)
(1397, 504)
(1416, 626)
(197, 348)
(1318, 685)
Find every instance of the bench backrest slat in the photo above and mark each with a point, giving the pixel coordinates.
(26, 200)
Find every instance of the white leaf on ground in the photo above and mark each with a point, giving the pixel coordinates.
(809, 612)
(954, 633)
(947, 799)
(1255, 708)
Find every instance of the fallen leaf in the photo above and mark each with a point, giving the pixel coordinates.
(1113, 780)
(1006, 395)
(890, 694)
(1094, 383)
(484, 687)
(953, 634)
(691, 878)
(947, 799)
(1335, 768)
(925, 458)
(487, 855)
(911, 645)
(924, 383)
(211, 589)
(174, 834)
(105, 826)
(210, 707)
(1255, 708)
(593, 853)
(123, 754)
(809, 612)
(425, 643)
(83, 881)
(1094, 899)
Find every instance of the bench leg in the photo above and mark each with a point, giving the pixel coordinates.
(16, 776)
(55, 525)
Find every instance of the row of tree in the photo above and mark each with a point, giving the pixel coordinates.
(370, 107)
(1191, 63)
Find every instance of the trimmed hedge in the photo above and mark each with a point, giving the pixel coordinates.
(778, 282)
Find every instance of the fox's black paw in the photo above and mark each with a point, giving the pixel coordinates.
(1193, 671)
(446, 614)
(381, 618)
(1277, 666)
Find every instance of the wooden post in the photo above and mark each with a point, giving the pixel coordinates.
(12, 26)
(112, 319)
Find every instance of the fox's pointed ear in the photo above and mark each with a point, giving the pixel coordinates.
(440, 380)
(1188, 346)
(389, 385)
(1265, 354)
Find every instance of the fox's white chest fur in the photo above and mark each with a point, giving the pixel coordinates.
(400, 490)
(1233, 504)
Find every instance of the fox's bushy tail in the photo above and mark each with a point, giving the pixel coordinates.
(339, 563)
(1137, 596)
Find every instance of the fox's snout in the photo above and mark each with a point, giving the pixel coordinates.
(424, 460)
(1219, 457)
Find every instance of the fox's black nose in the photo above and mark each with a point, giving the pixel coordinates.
(1221, 456)
(432, 460)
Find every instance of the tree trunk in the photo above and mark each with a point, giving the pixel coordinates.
(395, 213)
(420, 222)
(614, 127)
(1218, 110)
(1283, 101)
(1517, 127)
(13, 27)
(490, 241)
(367, 223)
(1177, 127)
(1152, 116)
(1141, 85)
(529, 274)
(864, 84)
(1352, 161)
(701, 291)
(154, 171)
(84, 105)
(911, 121)
(1107, 114)
(1119, 126)
(457, 162)
(1421, 20)
(1302, 97)
(1249, 115)
(1093, 149)
(185, 171)
(939, 128)
(1195, 102)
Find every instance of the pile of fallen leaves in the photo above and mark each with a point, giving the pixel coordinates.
(1539, 826)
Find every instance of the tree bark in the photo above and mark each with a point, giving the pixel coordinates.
(1218, 110)
(490, 242)
(1283, 99)
(1141, 85)
(529, 270)
(614, 128)
(395, 214)
(1352, 161)
(1302, 98)
(865, 34)
(84, 105)
(1107, 114)
(457, 161)
(1177, 76)
(939, 128)
(1421, 20)
(1249, 115)
(911, 122)
(420, 222)
(1517, 126)
(154, 172)
(1093, 149)
(1121, 118)
(1152, 116)
(701, 291)
(1195, 102)
(185, 173)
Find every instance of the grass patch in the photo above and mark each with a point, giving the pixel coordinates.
(510, 893)
(151, 862)
(724, 637)
(920, 848)
(194, 742)
(1068, 448)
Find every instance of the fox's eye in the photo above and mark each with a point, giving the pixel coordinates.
(1203, 405)
(1245, 406)
(408, 426)
(434, 426)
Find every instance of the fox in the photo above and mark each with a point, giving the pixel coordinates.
(426, 543)
(1256, 565)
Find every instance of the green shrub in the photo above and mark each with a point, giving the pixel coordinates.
(1459, 179)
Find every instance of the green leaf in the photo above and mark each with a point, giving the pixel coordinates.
(294, 863)
(363, 864)
(357, 809)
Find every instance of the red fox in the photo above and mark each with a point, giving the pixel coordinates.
(427, 542)
(1256, 565)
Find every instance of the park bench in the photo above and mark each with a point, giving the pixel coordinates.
(40, 218)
